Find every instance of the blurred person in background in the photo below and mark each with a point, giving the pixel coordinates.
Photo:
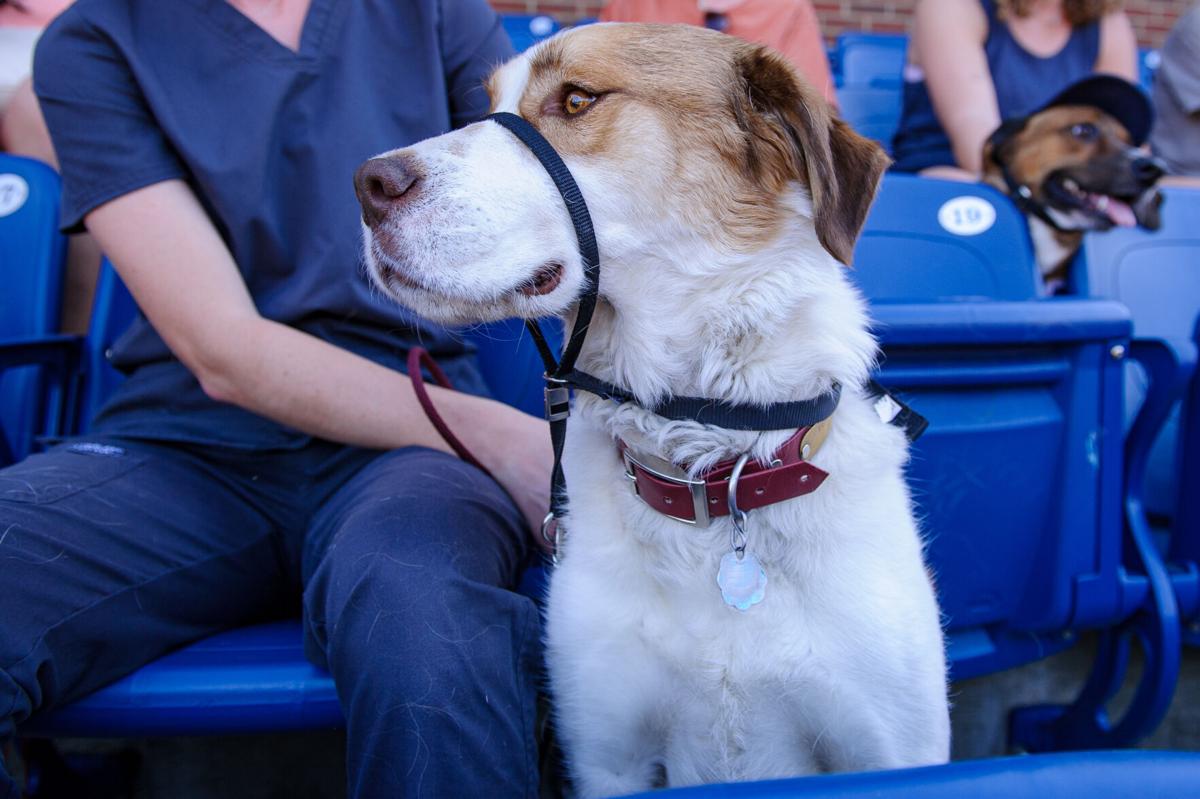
(789, 26)
(974, 63)
(1176, 136)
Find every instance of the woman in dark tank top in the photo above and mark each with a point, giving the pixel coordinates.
(973, 63)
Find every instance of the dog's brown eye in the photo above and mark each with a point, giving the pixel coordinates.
(577, 101)
(1085, 131)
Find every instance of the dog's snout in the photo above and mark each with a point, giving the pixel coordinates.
(1147, 170)
(380, 184)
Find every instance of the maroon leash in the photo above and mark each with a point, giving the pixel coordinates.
(419, 357)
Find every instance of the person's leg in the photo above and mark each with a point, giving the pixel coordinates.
(408, 571)
(111, 553)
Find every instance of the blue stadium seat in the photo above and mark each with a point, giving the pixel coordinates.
(1148, 63)
(939, 240)
(1018, 479)
(1096, 775)
(113, 311)
(526, 30)
(255, 678)
(874, 60)
(1157, 275)
(32, 253)
(872, 111)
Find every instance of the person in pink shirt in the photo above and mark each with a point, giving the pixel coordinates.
(789, 26)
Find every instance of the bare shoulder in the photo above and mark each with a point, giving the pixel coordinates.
(963, 17)
(1118, 46)
(942, 24)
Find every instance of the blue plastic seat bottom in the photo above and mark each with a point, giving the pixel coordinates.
(252, 679)
(1095, 775)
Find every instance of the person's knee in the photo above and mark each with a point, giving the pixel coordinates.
(408, 617)
(415, 572)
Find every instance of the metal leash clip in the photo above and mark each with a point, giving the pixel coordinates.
(737, 536)
(741, 578)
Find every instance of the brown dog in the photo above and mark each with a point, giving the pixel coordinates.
(1073, 167)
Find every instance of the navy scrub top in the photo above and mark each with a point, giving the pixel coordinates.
(141, 91)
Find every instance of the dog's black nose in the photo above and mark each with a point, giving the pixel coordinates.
(1146, 169)
(380, 184)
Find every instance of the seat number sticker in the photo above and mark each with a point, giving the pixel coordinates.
(13, 193)
(967, 216)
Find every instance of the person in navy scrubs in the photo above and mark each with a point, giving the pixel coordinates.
(266, 454)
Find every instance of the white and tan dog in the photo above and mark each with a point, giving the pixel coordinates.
(724, 194)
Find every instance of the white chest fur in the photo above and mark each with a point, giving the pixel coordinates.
(839, 667)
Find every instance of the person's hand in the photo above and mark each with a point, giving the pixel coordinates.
(518, 453)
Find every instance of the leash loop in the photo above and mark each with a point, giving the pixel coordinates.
(550, 535)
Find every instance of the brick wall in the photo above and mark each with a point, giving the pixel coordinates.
(1152, 18)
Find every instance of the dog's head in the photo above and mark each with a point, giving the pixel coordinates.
(1080, 164)
(684, 143)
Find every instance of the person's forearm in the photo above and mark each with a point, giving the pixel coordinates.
(297, 379)
(306, 383)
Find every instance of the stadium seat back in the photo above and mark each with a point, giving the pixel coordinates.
(1157, 275)
(510, 362)
(113, 311)
(32, 253)
(936, 240)
(1015, 483)
(526, 30)
(872, 111)
(1148, 63)
(871, 59)
(1017, 480)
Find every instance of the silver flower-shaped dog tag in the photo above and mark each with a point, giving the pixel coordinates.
(742, 580)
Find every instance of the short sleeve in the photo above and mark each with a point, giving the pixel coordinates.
(473, 44)
(105, 135)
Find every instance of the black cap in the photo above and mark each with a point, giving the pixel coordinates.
(1114, 96)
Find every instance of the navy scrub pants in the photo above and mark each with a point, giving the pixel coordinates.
(114, 551)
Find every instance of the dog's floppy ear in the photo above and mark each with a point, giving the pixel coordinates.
(793, 135)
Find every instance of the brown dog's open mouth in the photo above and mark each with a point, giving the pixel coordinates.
(544, 281)
(1111, 211)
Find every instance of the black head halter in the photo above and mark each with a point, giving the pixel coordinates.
(1021, 194)
(561, 375)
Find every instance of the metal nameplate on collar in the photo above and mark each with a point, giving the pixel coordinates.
(813, 438)
(697, 489)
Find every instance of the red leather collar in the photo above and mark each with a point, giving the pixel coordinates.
(697, 501)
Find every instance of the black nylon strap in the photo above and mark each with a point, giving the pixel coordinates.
(776, 416)
(581, 220)
(1021, 197)
(912, 423)
(590, 253)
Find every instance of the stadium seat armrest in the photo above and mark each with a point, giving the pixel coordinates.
(988, 322)
(1168, 370)
(59, 359)
(61, 352)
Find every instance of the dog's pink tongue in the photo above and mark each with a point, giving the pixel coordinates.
(1120, 213)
